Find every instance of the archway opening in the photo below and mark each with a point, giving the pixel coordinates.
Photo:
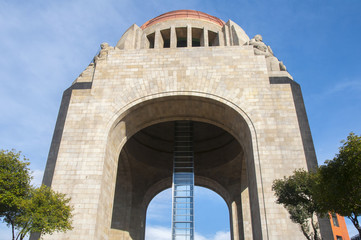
(142, 166)
(145, 169)
(211, 217)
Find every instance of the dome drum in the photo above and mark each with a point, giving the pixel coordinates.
(185, 29)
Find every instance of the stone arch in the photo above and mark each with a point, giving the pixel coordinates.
(209, 217)
(197, 107)
(199, 181)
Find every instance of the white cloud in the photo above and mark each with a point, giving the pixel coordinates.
(197, 236)
(163, 233)
(217, 236)
(222, 236)
(344, 88)
(157, 233)
(160, 208)
(344, 85)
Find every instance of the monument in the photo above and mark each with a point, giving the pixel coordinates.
(112, 149)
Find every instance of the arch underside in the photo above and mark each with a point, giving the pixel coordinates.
(142, 171)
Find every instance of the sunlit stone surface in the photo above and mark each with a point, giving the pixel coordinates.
(112, 151)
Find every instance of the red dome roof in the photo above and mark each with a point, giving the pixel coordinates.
(183, 14)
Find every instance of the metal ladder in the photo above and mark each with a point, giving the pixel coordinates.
(183, 182)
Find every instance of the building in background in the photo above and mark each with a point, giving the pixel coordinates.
(339, 228)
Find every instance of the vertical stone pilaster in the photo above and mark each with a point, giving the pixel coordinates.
(189, 36)
(221, 38)
(173, 37)
(227, 36)
(158, 40)
(205, 37)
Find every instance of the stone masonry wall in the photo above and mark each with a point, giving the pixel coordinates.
(232, 75)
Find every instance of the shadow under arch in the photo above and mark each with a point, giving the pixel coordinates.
(245, 198)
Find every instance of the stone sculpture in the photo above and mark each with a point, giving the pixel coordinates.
(103, 53)
(260, 48)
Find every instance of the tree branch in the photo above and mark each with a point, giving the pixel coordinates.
(315, 229)
(305, 232)
(354, 220)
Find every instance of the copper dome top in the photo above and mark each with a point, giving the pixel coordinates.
(183, 14)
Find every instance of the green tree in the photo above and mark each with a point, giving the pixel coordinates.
(14, 186)
(295, 194)
(338, 189)
(45, 212)
(25, 208)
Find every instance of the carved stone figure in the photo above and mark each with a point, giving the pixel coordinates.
(103, 53)
(260, 48)
(282, 66)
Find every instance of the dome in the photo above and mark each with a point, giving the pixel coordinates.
(183, 29)
(183, 14)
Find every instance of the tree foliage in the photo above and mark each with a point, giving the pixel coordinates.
(295, 194)
(25, 208)
(335, 188)
(45, 212)
(14, 186)
(338, 189)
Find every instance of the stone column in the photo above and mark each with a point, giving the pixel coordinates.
(205, 37)
(158, 39)
(236, 220)
(189, 36)
(173, 37)
(221, 38)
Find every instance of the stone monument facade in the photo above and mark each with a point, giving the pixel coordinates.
(112, 147)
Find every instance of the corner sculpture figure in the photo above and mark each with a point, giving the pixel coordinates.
(260, 48)
(89, 71)
(115, 137)
(103, 53)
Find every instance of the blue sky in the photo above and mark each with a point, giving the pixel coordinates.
(45, 45)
